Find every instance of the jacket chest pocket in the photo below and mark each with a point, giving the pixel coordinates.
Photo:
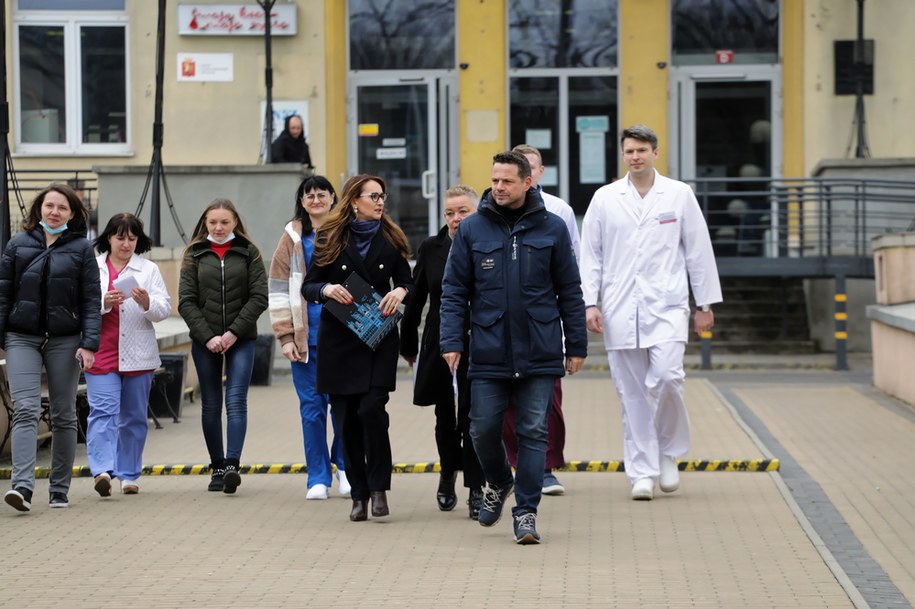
(488, 261)
(537, 254)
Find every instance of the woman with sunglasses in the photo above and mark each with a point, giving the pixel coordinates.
(359, 237)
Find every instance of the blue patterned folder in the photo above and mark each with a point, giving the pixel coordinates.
(363, 316)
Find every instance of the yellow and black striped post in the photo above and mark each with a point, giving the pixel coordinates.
(706, 349)
(841, 316)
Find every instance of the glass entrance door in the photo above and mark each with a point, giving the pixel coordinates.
(402, 132)
(727, 132)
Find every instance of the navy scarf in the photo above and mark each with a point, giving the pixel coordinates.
(363, 232)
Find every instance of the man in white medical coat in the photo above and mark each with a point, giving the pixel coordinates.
(643, 238)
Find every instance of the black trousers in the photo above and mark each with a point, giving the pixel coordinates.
(452, 437)
(366, 444)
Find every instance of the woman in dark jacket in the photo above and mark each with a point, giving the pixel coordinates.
(222, 292)
(434, 383)
(49, 316)
(290, 145)
(358, 237)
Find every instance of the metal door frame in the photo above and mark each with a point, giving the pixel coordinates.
(443, 121)
(682, 111)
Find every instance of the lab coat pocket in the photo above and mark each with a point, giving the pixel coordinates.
(487, 337)
(546, 335)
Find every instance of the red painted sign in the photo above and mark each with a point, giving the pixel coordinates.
(724, 56)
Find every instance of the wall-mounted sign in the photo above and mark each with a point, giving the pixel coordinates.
(723, 56)
(205, 67)
(235, 20)
(391, 153)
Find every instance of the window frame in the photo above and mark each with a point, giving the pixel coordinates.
(71, 22)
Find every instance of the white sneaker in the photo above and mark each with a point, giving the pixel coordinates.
(345, 488)
(130, 487)
(669, 481)
(643, 489)
(318, 491)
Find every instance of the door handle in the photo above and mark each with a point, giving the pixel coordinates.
(428, 184)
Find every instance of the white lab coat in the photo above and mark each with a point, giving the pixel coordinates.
(636, 255)
(557, 206)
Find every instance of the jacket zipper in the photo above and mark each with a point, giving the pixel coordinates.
(222, 283)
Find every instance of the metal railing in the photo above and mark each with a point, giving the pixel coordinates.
(802, 217)
(26, 183)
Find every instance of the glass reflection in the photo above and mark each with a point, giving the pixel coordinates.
(104, 96)
(42, 99)
(401, 35)
(562, 34)
(749, 28)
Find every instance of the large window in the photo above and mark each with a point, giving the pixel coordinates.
(401, 35)
(725, 31)
(563, 91)
(71, 82)
(563, 33)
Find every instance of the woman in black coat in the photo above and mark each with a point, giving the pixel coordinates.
(434, 383)
(290, 145)
(50, 316)
(358, 237)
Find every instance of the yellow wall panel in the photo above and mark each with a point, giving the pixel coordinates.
(644, 42)
(482, 46)
(335, 60)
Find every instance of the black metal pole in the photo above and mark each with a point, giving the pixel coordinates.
(155, 226)
(267, 5)
(861, 148)
(4, 136)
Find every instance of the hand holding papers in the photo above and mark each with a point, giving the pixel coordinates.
(363, 316)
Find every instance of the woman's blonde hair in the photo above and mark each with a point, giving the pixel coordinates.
(333, 236)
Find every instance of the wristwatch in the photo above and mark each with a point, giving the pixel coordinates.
(705, 308)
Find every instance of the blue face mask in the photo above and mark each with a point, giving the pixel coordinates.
(228, 238)
(53, 231)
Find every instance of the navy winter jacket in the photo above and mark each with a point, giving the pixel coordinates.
(50, 291)
(519, 282)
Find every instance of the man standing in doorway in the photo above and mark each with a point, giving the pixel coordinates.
(644, 241)
(511, 270)
(556, 425)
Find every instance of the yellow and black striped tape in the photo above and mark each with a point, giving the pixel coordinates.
(695, 465)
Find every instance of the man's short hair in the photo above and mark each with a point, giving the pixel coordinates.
(642, 133)
(527, 149)
(510, 157)
(462, 190)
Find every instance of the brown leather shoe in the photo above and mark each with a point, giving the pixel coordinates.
(360, 510)
(379, 504)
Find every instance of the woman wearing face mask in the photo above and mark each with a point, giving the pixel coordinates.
(49, 316)
(295, 324)
(118, 384)
(358, 237)
(222, 292)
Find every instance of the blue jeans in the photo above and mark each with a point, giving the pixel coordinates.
(489, 401)
(313, 409)
(118, 423)
(239, 361)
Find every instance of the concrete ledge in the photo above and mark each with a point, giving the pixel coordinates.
(901, 316)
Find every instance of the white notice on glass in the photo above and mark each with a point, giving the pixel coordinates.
(126, 284)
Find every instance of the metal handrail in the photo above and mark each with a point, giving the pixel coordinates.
(803, 217)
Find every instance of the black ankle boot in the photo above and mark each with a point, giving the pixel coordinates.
(446, 496)
(217, 471)
(231, 479)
